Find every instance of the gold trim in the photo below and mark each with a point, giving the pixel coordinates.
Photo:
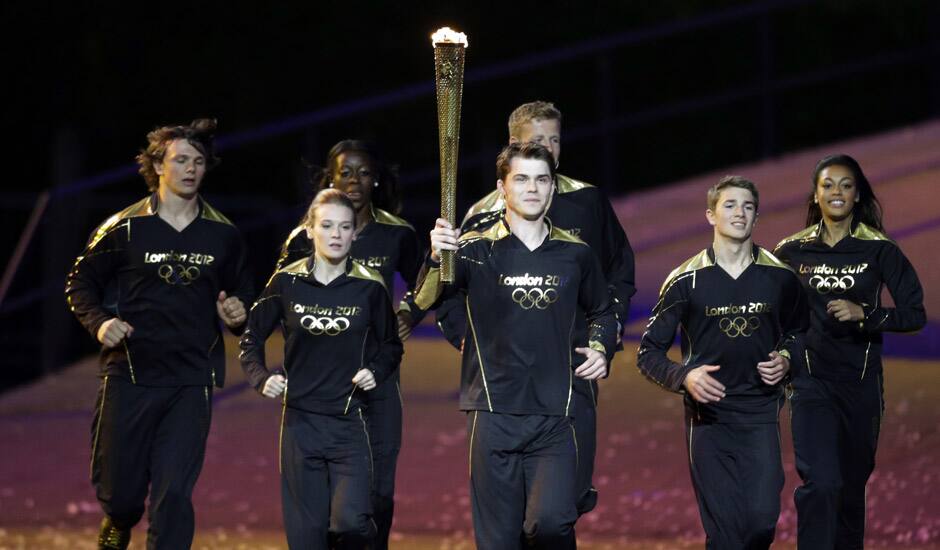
(365, 273)
(476, 344)
(94, 446)
(495, 232)
(693, 264)
(691, 427)
(139, 208)
(213, 215)
(387, 218)
(597, 346)
(280, 434)
(570, 366)
(808, 234)
(298, 267)
(130, 365)
(492, 202)
(430, 289)
(865, 364)
(784, 353)
(808, 368)
(868, 233)
(365, 430)
(473, 431)
(569, 185)
(765, 258)
(401, 400)
(577, 450)
(558, 234)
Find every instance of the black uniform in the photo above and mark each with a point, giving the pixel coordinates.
(582, 210)
(837, 402)
(734, 448)
(331, 332)
(154, 403)
(517, 376)
(388, 245)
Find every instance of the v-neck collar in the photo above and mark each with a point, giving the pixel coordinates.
(519, 243)
(755, 253)
(154, 206)
(310, 264)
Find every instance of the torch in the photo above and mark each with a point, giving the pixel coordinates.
(449, 49)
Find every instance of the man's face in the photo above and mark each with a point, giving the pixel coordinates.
(545, 132)
(182, 168)
(734, 214)
(528, 187)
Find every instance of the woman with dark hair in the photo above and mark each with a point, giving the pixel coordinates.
(340, 343)
(844, 260)
(388, 244)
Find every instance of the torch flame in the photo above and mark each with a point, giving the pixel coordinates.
(447, 35)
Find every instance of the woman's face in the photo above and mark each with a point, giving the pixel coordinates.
(353, 173)
(836, 192)
(332, 231)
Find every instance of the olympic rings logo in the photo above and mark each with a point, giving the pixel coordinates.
(738, 326)
(831, 283)
(324, 325)
(534, 297)
(173, 274)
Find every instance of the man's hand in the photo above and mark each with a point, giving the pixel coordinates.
(404, 325)
(274, 386)
(594, 367)
(702, 387)
(364, 379)
(113, 331)
(231, 310)
(774, 370)
(844, 310)
(443, 237)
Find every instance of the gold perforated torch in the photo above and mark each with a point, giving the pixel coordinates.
(449, 50)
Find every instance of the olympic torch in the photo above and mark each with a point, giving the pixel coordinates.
(449, 50)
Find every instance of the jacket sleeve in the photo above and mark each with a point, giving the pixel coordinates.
(265, 314)
(908, 314)
(794, 322)
(594, 299)
(237, 279)
(93, 270)
(660, 332)
(617, 262)
(385, 328)
(411, 259)
(430, 292)
(452, 319)
(296, 246)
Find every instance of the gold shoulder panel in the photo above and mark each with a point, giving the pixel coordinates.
(388, 218)
(699, 261)
(808, 234)
(567, 185)
(494, 232)
(360, 271)
(490, 203)
(869, 233)
(143, 207)
(211, 214)
(296, 268)
(766, 258)
(557, 234)
(293, 233)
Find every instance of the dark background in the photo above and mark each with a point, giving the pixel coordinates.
(651, 92)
